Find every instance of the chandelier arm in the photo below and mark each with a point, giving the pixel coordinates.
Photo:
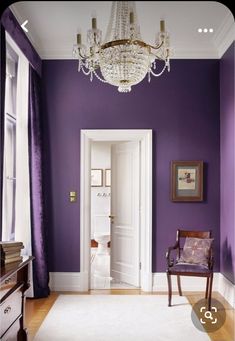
(129, 42)
(155, 47)
(83, 56)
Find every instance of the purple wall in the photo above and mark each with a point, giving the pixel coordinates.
(227, 182)
(181, 107)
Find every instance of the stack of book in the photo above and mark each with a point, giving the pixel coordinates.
(10, 252)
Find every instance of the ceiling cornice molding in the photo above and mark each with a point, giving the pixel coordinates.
(225, 35)
(223, 38)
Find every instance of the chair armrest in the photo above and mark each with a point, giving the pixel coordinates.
(170, 262)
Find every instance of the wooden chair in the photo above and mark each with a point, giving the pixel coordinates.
(177, 268)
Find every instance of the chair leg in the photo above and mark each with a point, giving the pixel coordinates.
(207, 287)
(179, 285)
(210, 291)
(169, 289)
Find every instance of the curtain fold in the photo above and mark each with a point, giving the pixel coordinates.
(2, 100)
(40, 268)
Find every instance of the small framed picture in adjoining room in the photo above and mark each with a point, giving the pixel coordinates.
(107, 177)
(187, 181)
(96, 177)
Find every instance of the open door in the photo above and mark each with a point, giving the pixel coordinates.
(125, 205)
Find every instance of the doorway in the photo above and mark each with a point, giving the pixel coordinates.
(100, 253)
(115, 223)
(144, 139)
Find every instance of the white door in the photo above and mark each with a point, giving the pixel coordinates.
(125, 197)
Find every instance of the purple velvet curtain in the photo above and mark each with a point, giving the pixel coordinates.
(14, 29)
(2, 102)
(40, 269)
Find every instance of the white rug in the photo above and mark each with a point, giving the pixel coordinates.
(119, 318)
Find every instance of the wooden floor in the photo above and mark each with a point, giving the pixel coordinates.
(37, 309)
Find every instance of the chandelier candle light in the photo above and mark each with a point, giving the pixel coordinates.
(123, 59)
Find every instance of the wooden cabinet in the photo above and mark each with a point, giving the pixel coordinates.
(14, 283)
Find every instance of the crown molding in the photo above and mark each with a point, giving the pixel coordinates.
(223, 38)
(225, 35)
(205, 53)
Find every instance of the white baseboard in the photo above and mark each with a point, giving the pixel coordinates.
(65, 281)
(76, 281)
(220, 284)
(79, 281)
(227, 290)
(147, 281)
(188, 283)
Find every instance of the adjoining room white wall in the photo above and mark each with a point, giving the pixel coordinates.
(100, 196)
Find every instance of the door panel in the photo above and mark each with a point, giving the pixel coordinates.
(125, 185)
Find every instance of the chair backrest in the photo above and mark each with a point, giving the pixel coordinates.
(192, 234)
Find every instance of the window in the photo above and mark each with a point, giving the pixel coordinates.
(9, 177)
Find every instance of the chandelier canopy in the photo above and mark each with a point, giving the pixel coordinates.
(123, 59)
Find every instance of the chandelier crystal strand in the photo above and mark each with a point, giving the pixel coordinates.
(123, 59)
(110, 27)
(100, 79)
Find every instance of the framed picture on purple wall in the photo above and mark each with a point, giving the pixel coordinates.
(187, 181)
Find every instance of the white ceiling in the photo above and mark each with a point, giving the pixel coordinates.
(53, 25)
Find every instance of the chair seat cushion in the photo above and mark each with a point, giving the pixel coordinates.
(184, 267)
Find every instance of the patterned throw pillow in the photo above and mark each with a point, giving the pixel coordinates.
(196, 251)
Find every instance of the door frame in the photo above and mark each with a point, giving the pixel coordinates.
(144, 136)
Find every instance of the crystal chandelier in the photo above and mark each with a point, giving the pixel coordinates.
(123, 59)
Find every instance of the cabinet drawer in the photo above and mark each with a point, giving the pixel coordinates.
(10, 310)
(7, 285)
(11, 334)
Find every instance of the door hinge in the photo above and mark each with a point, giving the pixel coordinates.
(140, 265)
